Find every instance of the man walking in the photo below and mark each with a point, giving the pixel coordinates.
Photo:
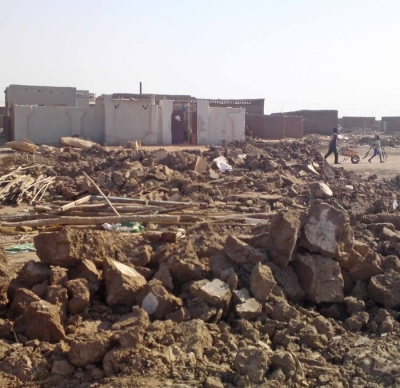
(377, 149)
(333, 147)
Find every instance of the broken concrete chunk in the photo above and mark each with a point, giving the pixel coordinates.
(327, 231)
(261, 282)
(122, 283)
(354, 305)
(310, 337)
(184, 266)
(78, 290)
(320, 277)
(283, 312)
(282, 238)
(131, 328)
(357, 321)
(249, 310)
(323, 326)
(320, 190)
(82, 353)
(370, 266)
(240, 296)
(58, 276)
(385, 289)
(156, 300)
(289, 281)
(253, 362)
(242, 253)
(33, 273)
(86, 270)
(58, 296)
(43, 322)
(216, 293)
(22, 299)
(180, 315)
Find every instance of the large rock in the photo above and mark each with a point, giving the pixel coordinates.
(58, 276)
(327, 231)
(43, 322)
(320, 277)
(216, 293)
(33, 273)
(320, 190)
(289, 281)
(370, 265)
(122, 282)
(281, 241)
(58, 296)
(184, 265)
(261, 282)
(385, 289)
(22, 299)
(78, 291)
(249, 309)
(82, 353)
(131, 328)
(253, 362)
(68, 247)
(156, 300)
(242, 253)
(194, 337)
(86, 270)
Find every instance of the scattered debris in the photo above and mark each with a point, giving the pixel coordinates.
(288, 274)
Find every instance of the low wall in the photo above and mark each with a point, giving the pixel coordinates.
(47, 124)
(320, 122)
(274, 127)
(294, 127)
(358, 122)
(391, 124)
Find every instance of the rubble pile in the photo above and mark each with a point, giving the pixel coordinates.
(285, 275)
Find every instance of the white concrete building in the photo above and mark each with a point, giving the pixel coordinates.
(44, 114)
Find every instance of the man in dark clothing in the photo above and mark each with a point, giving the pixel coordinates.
(333, 146)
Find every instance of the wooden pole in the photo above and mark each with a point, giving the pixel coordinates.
(96, 220)
(100, 192)
(74, 204)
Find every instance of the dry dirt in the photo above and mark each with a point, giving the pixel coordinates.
(288, 275)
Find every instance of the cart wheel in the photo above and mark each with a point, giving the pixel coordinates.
(355, 159)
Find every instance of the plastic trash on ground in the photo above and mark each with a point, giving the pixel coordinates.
(21, 248)
(132, 227)
(222, 164)
(395, 204)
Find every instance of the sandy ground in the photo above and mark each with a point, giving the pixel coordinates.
(389, 169)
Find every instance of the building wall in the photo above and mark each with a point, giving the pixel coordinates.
(358, 122)
(47, 124)
(320, 122)
(391, 124)
(127, 120)
(294, 127)
(40, 95)
(225, 124)
(254, 125)
(274, 127)
(250, 105)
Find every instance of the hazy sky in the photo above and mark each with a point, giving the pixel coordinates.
(297, 54)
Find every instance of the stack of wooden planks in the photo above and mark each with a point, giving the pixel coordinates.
(18, 186)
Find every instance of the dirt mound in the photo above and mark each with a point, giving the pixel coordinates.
(281, 278)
